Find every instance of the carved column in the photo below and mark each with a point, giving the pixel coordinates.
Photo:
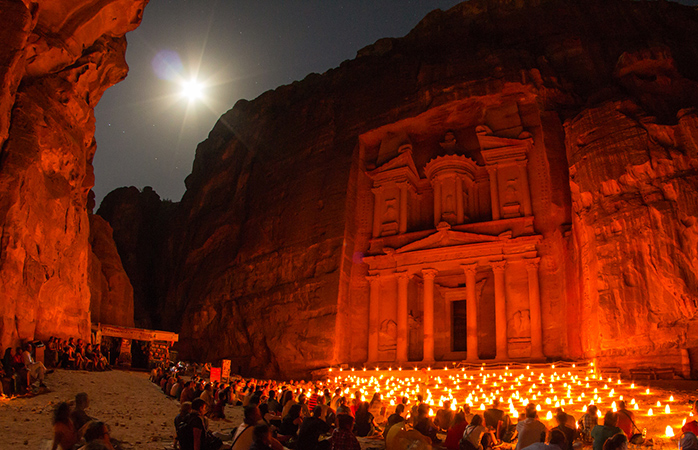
(500, 306)
(494, 192)
(429, 275)
(471, 311)
(523, 170)
(473, 202)
(403, 337)
(377, 199)
(373, 319)
(403, 208)
(459, 201)
(535, 309)
(437, 203)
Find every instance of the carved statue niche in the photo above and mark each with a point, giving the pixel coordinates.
(387, 336)
(506, 160)
(394, 190)
(452, 179)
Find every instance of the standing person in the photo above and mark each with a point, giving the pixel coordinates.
(530, 429)
(601, 433)
(37, 370)
(626, 419)
(65, 435)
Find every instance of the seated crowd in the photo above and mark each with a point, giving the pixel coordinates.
(19, 370)
(308, 416)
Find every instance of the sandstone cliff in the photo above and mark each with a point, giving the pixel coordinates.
(57, 58)
(263, 263)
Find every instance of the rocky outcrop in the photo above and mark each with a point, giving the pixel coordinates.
(56, 60)
(141, 224)
(264, 260)
(111, 294)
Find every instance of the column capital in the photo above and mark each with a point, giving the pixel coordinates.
(499, 266)
(372, 278)
(469, 268)
(429, 274)
(532, 263)
(403, 275)
(491, 168)
(521, 162)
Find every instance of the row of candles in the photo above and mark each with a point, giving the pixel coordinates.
(572, 388)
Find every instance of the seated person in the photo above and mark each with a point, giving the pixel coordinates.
(243, 436)
(587, 423)
(342, 437)
(291, 422)
(688, 442)
(394, 418)
(558, 441)
(310, 431)
(36, 370)
(261, 437)
(364, 424)
(618, 442)
(455, 433)
(691, 425)
(444, 417)
(97, 432)
(601, 433)
(64, 433)
(423, 423)
(530, 430)
(480, 436)
(493, 416)
(570, 433)
(79, 416)
(626, 419)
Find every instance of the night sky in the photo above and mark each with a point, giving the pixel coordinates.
(147, 132)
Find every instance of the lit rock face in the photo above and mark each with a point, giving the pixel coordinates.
(111, 294)
(56, 60)
(266, 262)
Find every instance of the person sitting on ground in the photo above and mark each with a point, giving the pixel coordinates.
(97, 432)
(310, 431)
(569, 418)
(287, 401)
(626, 419)
(261, 437)
(343, 408)
(456, 431)
(187, 394)
(89, 358)
(618, 442)
(600, 433)
(342, 437)
(394, 418)
(494, 415)
(207, 396)
(377, 409)
(36, 370)
(193, 433)
(424, 424)
(364, 425)
(480, 436)
(687, 442)
(588, 421)
(65, 435)
(691, 426)
(291, 422)
(273, 403)
(558, 441)
(101, 362)
(444, 417)
(334, 403)
(530, 430)
(181, 418)
(79, 416)
(570, 433)
(414, 412)
(243, 436)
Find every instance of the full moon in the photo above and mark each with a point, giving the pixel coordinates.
(192, 90)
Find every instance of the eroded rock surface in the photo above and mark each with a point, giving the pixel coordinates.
(56, 60)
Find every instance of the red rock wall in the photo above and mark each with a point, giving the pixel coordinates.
(56, 60)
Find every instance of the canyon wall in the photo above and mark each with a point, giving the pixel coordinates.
(57, 58)
(263, 262)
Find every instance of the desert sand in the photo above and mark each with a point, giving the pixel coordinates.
(136, 410)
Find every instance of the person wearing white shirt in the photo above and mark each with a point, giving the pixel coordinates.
(37, 370)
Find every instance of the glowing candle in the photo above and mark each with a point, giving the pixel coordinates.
(669, 431)
(667, 410)
(650, 412)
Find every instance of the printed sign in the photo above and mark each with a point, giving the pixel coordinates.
(225, 374)
(215, 374)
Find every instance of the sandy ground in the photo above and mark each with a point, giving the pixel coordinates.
(137, 411)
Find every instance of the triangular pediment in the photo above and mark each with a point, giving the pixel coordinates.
(445, 237)
(402, 161)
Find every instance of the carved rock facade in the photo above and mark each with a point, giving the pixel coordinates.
(512, 180)
(56, 60)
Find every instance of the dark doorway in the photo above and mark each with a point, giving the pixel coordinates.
(459, 329)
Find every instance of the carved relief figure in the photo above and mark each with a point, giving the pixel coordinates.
(520, 324)
(387, 336)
